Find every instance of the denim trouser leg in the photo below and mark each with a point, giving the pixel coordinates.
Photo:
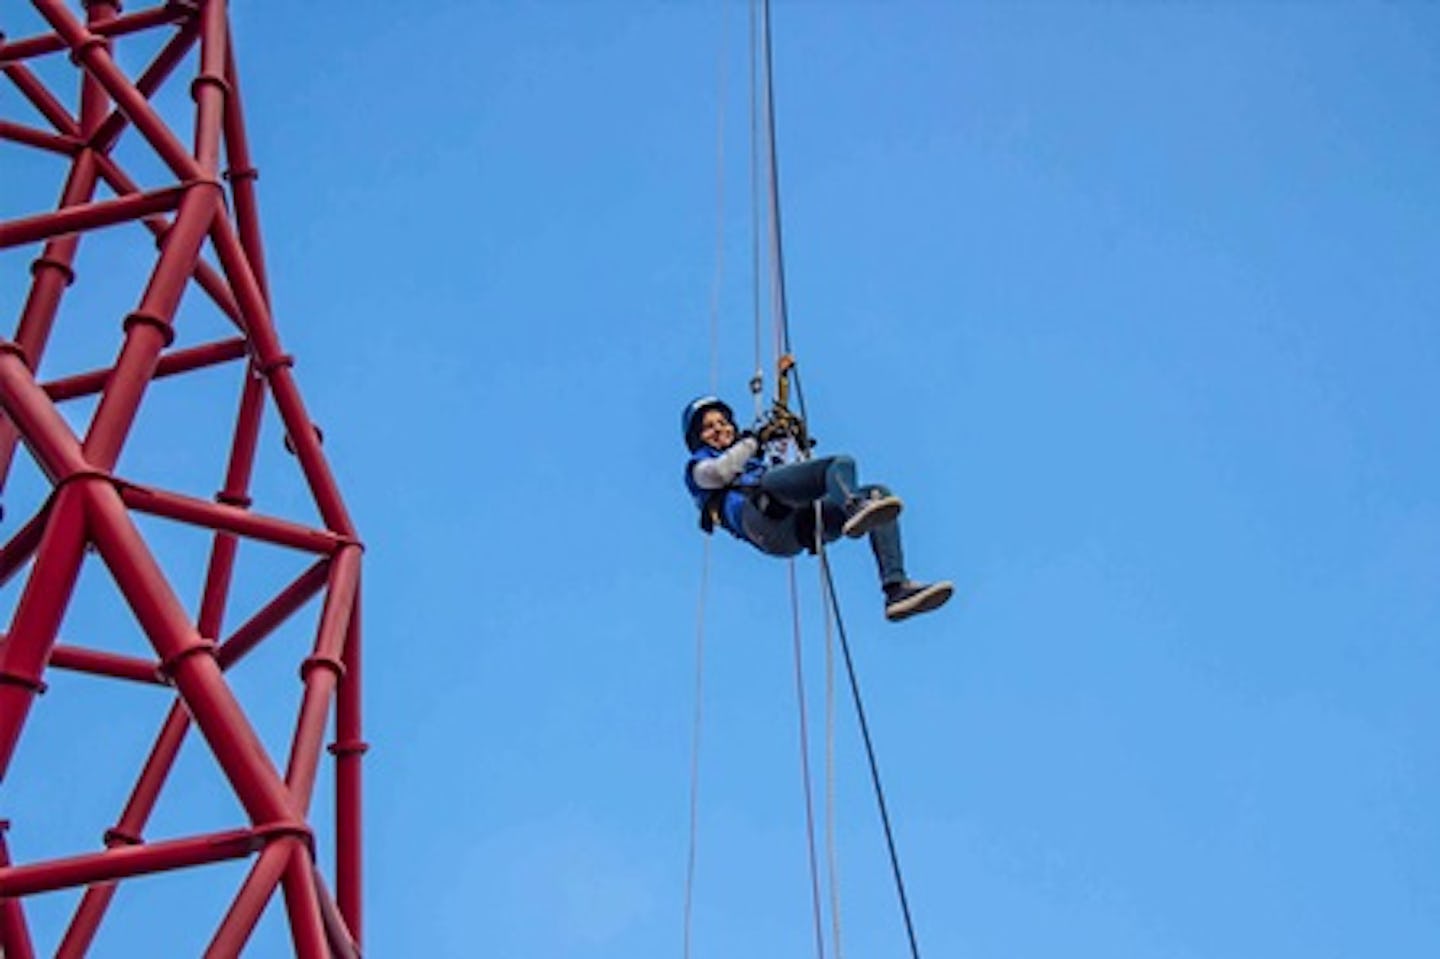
(885, 542)
(831, 481)
(830, 478)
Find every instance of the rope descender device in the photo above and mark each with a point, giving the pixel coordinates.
(791, 423)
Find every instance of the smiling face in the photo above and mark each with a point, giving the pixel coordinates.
(716, 431)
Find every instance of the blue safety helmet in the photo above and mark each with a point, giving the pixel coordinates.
(695, 410)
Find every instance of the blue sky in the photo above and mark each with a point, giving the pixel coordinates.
(1132, 303)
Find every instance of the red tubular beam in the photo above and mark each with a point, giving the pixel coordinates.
(99, 663)
(247, 439)
(57, 566)
(349, 749)
(96, 900)
(108, 130)
(89, 216)
(53, 271)
(14, 934)
(231, 519)
(22, 545)
(41, 140)
(273, 363)
(341, 943)
(188, 659)
(242, 175)
(209, 88)
(302, 902)
(93, 102)
(152, 777)
(254, 896)
(170, 364)
(321, 673)
(98, 64)
(120, 26)
(235, 492)
(216, 591)
(275, 612)
(309, 734)
(35, 91)
(148, 329)
(47, 434)
(37, 618)
(86, 922)
(210, 281)
(127, 861)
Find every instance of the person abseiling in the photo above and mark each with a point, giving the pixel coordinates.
(773, 507)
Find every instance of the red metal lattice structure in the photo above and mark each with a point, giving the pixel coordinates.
(89, 509)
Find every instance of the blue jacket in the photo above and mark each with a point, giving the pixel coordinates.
(730, 501)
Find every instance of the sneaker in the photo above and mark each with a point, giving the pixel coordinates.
(867, 514)
(904, 600)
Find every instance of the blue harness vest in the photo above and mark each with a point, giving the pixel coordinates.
(723, 506)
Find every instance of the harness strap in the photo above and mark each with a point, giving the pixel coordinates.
(713, 512)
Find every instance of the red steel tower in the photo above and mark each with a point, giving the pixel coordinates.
(131, 187)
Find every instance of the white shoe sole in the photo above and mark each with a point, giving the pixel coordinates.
(931, 597)
(874, 513)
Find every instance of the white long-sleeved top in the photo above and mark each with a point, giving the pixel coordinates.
(720, 471)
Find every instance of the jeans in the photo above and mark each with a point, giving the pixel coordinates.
(797, 488)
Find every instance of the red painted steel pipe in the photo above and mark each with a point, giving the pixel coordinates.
(29, 47)
(302, 904)
(42, 99)
(126, 861)
(58, 557)
(108, 130)
(47, 434)
(235, 492)
(22, 545)
(80, 934)
(54, 270)
(342, 944)
(93, 101)
(242, 175)
(100, 663)
(349, 749)
(241, 466)
(152, 777)
(272, 614)
(170, 364)
(148, 328)
(321, 673)
(88, 217)
(14, 933)
(274, 364)
(40, 139)
(218, 516)
(210, 281)
(254, 896)
(93, 905)
(188, 659)
(37, 618)
(209, 88)
(89, 50)
(52, 273)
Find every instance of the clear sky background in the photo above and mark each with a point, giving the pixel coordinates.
(1134, 304)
